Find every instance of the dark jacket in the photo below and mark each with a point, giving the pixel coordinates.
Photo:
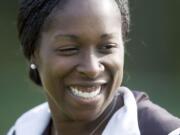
(153, 119)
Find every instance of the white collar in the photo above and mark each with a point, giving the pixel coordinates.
(34, 122)
(124, 121)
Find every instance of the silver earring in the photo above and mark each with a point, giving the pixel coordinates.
(33, 66)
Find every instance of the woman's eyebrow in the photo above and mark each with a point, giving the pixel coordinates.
(107, 36)
(66, 37)
(72, 37)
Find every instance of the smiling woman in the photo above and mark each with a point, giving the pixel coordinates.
(76, 53)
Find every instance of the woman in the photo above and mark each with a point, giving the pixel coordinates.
(75, 50)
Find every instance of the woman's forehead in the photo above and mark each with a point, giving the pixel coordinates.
(84, 12)
(77, 6)
(86, 8)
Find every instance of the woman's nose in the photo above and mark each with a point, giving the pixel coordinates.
(90, 66)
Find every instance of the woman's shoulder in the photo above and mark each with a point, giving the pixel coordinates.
(153, 119)
(32, 122)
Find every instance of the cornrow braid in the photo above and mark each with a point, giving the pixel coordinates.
(31, 17)
(32, 14)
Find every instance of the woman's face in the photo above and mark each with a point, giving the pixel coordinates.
(80, 58)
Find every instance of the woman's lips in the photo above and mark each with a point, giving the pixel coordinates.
(86, 96)
(86, 92)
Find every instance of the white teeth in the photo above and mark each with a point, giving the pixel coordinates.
(79, 92)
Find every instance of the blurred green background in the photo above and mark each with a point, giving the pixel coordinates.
(152, 59)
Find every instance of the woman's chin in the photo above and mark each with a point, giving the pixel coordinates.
(86, 109)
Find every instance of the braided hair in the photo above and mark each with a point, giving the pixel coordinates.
(33, 13)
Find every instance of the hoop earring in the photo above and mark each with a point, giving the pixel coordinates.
(33, 66)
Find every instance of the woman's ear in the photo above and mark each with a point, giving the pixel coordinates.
(34, 68)
(34, 60)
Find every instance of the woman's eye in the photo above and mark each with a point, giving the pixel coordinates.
(68, 51)
(108, 47)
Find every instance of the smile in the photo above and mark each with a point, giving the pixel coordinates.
(86, 92)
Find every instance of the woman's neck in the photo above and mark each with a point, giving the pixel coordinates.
(85, 128)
